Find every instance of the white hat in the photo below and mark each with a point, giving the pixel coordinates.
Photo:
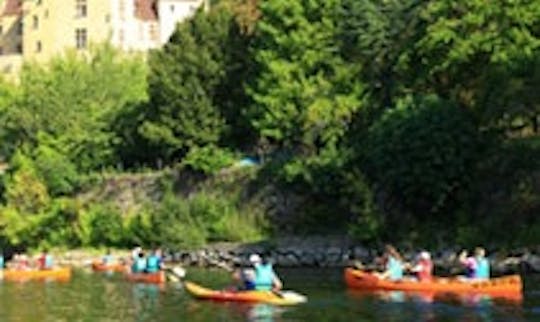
(255, 258)
(425, 255)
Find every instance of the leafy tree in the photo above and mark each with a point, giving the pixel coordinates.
(421, 154)
(54, 166)
(187, 83)
(303, 93)
(8, 96)
(472, 52)
(73, 100)
(381, 36)
(25, 190)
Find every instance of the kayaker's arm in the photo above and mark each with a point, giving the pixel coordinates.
(276, 283)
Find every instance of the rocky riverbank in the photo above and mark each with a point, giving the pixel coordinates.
(321, 252)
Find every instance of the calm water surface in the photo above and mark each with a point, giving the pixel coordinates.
(95, 297)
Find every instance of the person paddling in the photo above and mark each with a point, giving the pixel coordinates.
(108, 259)
(45, 261)
(244, 278)
(393, 264)
(477, 266)
(424, 267)
(153, 262)
(139, 264)
(265, 277)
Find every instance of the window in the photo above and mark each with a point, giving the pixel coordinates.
(38, 2)
(172, 7)
(19, 48)
(1, 29)
(1, 50)
(122, 10)
(81, 8)
(154, 35)
(35, 22)
(46, 13)
(38, 46)
(81, 38)
(20, 27)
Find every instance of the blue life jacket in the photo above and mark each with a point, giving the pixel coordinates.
(395, 268)
(482, 268)
(247, 279)
(264, 277)
(1, 261)
(139, 265)
(470, 272)
(153, 264)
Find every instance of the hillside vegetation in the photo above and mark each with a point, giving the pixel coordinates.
(399, 120)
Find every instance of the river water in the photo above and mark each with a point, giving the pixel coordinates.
(101, 297)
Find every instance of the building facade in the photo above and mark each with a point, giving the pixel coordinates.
(37, 30)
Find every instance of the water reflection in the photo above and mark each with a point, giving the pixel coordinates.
(433, 306)
(263, 313)
(146, 300)
(235, 311)
(466, 299)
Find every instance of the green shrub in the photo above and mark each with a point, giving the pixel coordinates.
(58, 224)
(174, 225)
(422, 154)
(25, 190)
(368, 221)
(139, 229)
(59, 173)
(101, 225)
(208, 159)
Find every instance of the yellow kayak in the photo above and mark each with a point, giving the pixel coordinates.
(269, 297)
(60, 274)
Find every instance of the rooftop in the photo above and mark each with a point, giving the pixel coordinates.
(12, 7)
(146, 9)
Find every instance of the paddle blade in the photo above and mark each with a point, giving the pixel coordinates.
(293, 296)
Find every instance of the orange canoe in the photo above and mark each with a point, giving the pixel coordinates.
(359, 279)
(155, 278)
(60, 274)
(100, 267)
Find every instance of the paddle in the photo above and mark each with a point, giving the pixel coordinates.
(175, 273)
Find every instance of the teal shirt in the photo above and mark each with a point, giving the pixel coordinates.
(264, 277)
(139, 265)
(482, 269)
(395, 268)
(108, 259)
(152, 264)
(49, 261)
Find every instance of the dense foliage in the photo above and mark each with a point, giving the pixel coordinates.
(397, 119)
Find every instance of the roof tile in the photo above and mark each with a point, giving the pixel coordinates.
(12, 7)
(146, 9)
